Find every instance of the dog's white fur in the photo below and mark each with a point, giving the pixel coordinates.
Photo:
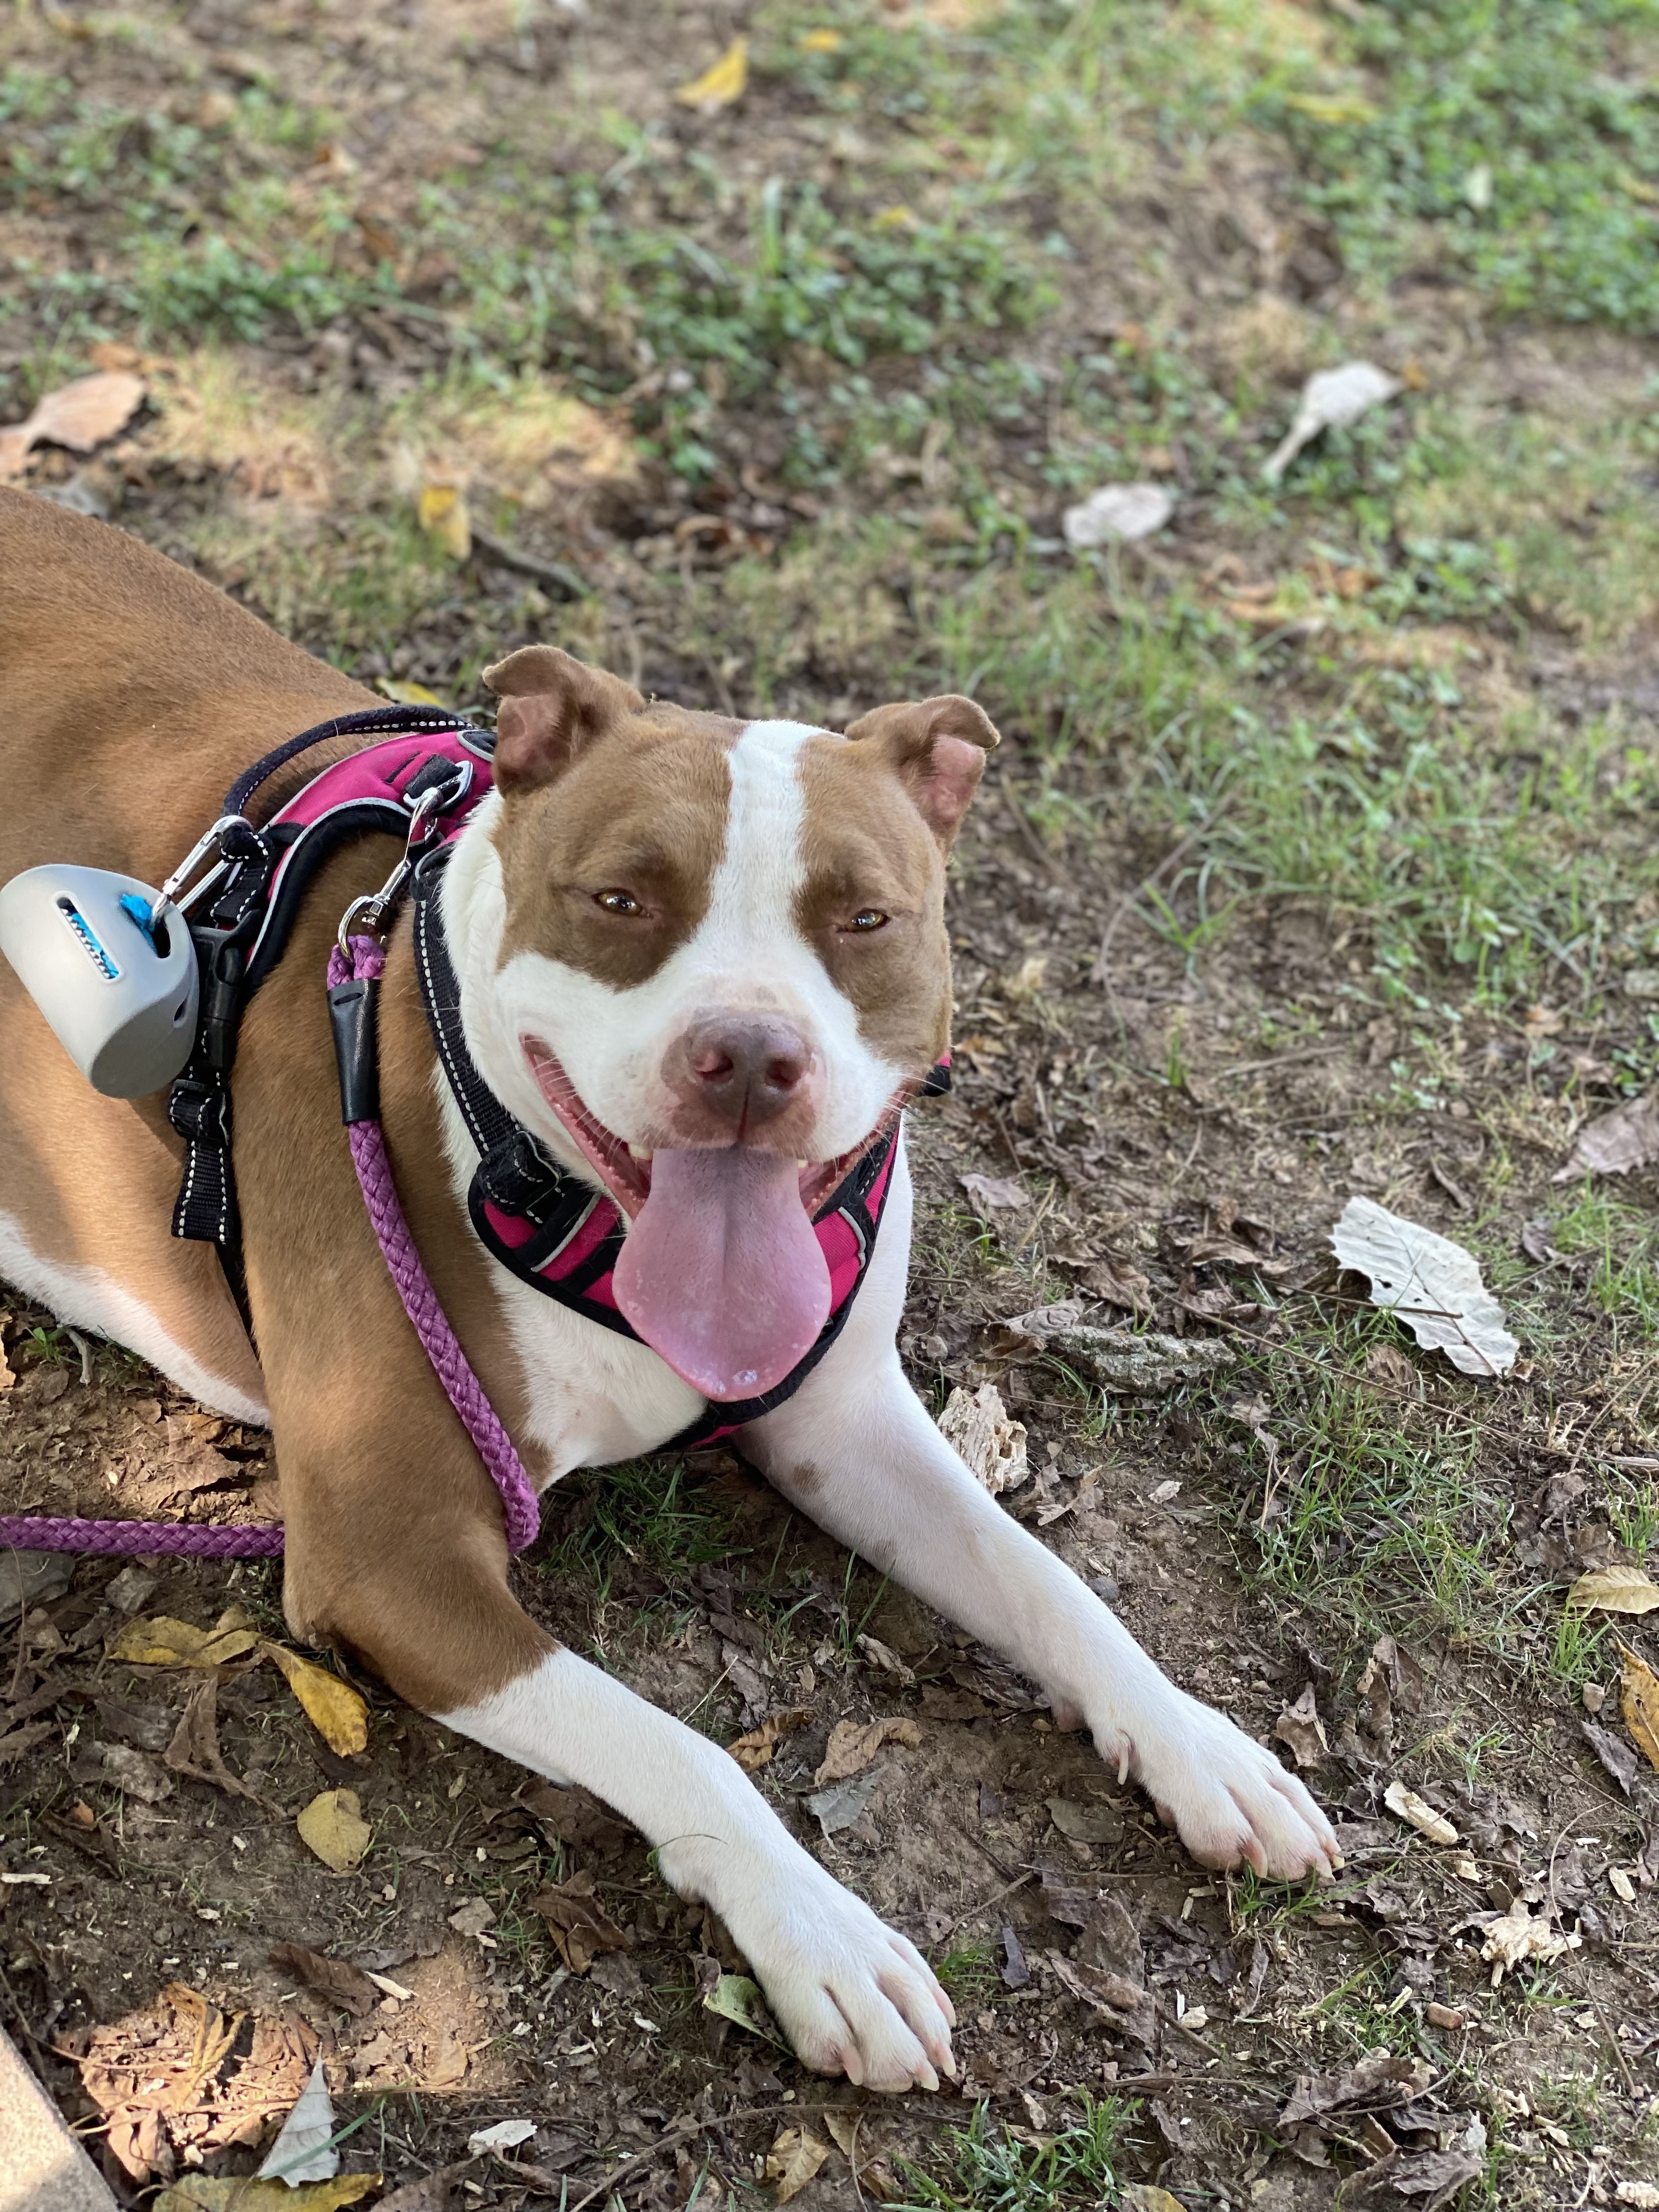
(855, 1448)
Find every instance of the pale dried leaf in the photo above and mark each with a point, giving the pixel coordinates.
(977, 1424)
(854, 1744)
(1433, 1285)
(1300, 1727)
(1085, 1823)
(79, 416)
(1617, 1589)
(303, 2152)
(340, 1715)
(793, 2161)
(333, 1826)
(736, 1998)
(506, 2135)
(1408, 1806)
(1331, 400)
(1615, 1143)
(1147, 2197)
(1117, 514)
(1044, 1320)
(843, 1803)
(723, 83)
(1519, 1935)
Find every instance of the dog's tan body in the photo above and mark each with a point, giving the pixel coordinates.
(133, 695)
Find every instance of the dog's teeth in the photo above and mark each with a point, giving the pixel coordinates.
(638, 1152)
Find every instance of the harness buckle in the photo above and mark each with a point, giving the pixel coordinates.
(200, 1112)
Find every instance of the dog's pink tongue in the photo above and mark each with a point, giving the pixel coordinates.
(721, 1273)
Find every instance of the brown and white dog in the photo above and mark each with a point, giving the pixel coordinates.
(699, 958)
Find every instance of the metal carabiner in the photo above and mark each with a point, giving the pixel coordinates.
(209, 841)
(375, 906)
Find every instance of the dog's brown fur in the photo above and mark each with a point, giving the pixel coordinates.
(132, 695)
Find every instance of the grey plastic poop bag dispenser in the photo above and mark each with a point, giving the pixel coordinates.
(117, 981)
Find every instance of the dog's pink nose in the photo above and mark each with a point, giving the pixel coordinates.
(742, 1073)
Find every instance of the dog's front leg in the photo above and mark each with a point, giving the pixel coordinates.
(852, 1995)
(855, 1449)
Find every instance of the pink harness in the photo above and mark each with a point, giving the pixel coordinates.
(546, 1227)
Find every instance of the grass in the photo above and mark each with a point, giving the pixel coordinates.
(645, 1512)
(986, 2167)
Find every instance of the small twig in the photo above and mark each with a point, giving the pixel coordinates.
(557, 578)
(1022, 822)
(1283, 1059)
(985, 1905)
(85, 1350)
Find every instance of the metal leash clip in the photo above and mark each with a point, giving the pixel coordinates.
(369, 913)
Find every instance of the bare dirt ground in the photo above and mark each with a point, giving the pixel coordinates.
(1315, 863)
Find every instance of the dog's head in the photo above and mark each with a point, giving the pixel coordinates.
(722, 965)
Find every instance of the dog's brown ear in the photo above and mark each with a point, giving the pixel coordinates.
(938, 747)
(552, 707)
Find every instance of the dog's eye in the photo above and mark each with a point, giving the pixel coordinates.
(622, 902)
(868, 918)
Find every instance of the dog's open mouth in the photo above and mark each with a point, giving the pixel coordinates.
(721, 1272)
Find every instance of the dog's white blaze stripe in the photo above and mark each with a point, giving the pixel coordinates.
(746, 953)
(85, 1297)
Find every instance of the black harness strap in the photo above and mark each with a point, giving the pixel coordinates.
(238, 918)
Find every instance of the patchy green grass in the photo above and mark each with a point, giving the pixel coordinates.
(643, 1512)
(985, 2167)
(1514, 141)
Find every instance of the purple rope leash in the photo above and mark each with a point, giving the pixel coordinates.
(465, 1393)
(252, 1539)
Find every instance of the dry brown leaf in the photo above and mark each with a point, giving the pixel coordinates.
(991, 1193)
(163, 1641)
(580, 1927)
(332, 1824)
(79, 416)
(722, 84)
(1639, 1701)
(1120, 1284)
(843, 2124)
(793, 2161)
(1615, 1143)
(195, 1750)
(340, 1715)
(337, 1979)
(1617, 1589)
(755, 1750)
(1408, 1806)
(854, 1744)
(1147, 2197)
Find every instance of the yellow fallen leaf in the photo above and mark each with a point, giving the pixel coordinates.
(196, 2192)
(852, 1745)
(794, 2158)
(1639, 1701)
(1408, 1806)
(723, 84)
(1332, 107)
(1147, 2197)
(407, 695)
(341, 1715)
(163, 1641)
(1613, 1590)
(822, 42)
(332, 1824)
(444, 515)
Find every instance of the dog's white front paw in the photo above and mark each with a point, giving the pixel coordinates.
(1228, 1798)
(853, 1996)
